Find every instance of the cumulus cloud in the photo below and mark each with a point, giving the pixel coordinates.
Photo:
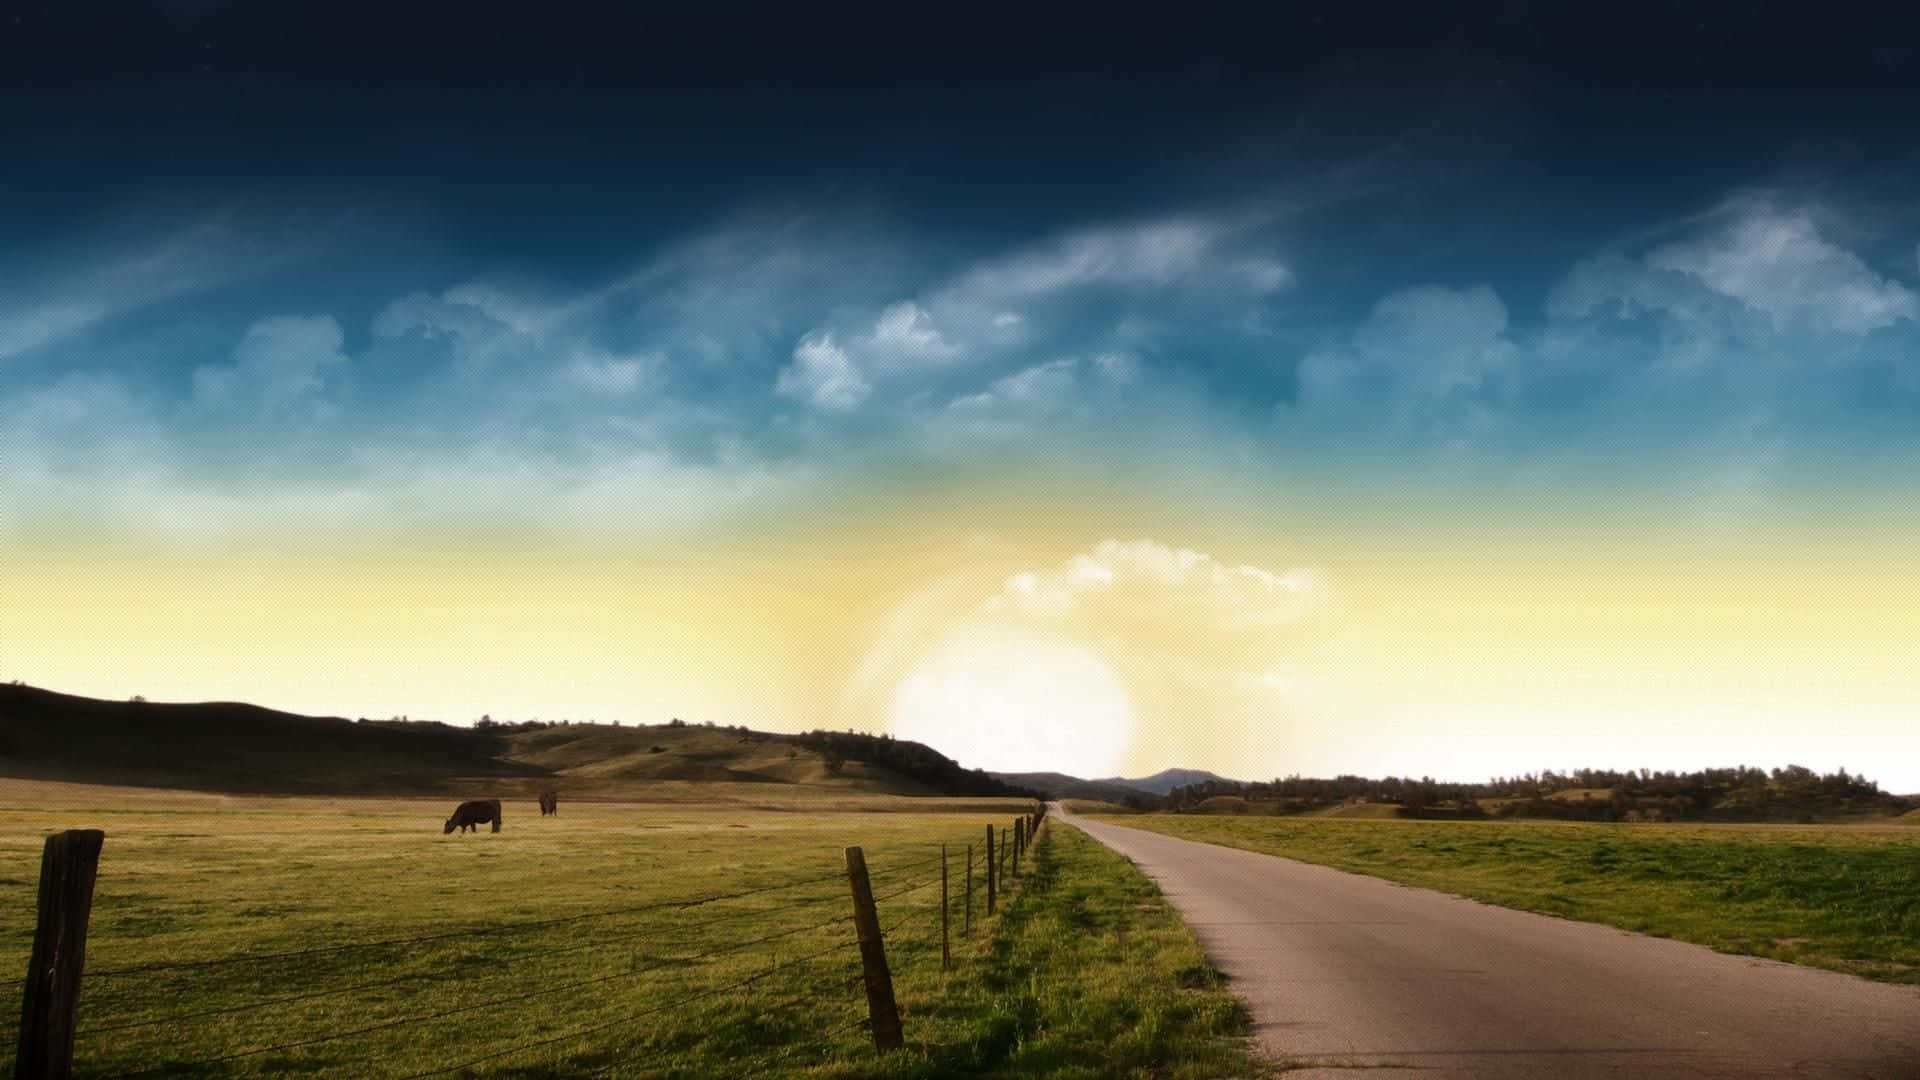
(1429, 361)
(1775, 262)
(1754, 268)
(824, 375)
(282, 368)
(905, 336)
(1144, 579)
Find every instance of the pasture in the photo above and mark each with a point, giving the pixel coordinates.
(1844, 897)
(264, 936)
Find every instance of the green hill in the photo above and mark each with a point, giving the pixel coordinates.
(233, 747)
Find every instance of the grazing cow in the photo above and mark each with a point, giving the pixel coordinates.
(471, 815)
(549, 803)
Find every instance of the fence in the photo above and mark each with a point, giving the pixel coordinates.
(832, 955)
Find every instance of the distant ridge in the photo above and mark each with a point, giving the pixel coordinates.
(1114, 789)
(1166, 780)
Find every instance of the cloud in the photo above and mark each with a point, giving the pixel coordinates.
(1130, 581)
(1043, 387)
(1775, 262)
(824, 375)
(602, 372)
(904, 336)
(1749, 270)
(1429, 361)
(1156, 253)
(283, 367)
(41, 305)
(1069, 293)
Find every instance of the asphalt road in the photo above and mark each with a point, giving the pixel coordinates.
(1344, 972)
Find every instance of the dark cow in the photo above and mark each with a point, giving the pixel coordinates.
(549, 803)
(472, 815)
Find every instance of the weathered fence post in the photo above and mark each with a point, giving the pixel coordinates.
(966, 925)
(946, 952)
(1014, 847)
(992, 871)
(51, 1003)
(881, 1010)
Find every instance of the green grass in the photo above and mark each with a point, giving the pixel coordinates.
(189, 877)
(1840, 897)
(1089, 975)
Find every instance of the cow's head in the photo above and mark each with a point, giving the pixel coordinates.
(449, 827)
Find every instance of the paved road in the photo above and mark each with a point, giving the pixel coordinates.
(1342, 972)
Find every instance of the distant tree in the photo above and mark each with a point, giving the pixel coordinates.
(833, 761)
(138, 699)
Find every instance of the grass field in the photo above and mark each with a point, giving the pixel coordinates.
(1839, 897)
(637, 981)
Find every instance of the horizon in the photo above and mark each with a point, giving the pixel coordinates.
(1300, 395)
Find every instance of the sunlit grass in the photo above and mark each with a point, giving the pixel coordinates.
(1084, 972)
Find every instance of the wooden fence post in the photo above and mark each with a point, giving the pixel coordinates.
(992, 870)
(51, 1003)
(881, 1009)
(966, 926)
(1014, 847)
(946, 952)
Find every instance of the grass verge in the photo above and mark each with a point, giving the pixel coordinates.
(1089, 974)
(1845, 898)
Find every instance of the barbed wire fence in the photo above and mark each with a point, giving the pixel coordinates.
(131, 1030)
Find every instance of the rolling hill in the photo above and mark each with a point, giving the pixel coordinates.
(235, 747)
(1113, 789)
(1061, 786)
(1167, 779)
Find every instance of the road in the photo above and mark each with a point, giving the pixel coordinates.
(1343, 972)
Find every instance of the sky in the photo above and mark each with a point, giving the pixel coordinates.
(1407, 391)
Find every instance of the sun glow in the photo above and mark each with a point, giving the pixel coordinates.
(1013, 700)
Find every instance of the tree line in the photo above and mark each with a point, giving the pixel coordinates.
(1741, 793)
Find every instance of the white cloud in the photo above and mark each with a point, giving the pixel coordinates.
(822, 373)
(1428, 361)
(1157, 253)
(1041, 387)
(31, 328)
(605, 373)
(283, 366)
(1147, 579)
(904, 336)
(42, 305)
(1756, 271)
(1776, 262)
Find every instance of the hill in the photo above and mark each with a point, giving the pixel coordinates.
(230, 746)
(1166, 780)
(242, 748)
(1055, 785)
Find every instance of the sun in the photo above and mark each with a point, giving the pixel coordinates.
(1012, 700)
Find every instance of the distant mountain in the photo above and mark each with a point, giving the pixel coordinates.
(1109, 789)
(1167, 779)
